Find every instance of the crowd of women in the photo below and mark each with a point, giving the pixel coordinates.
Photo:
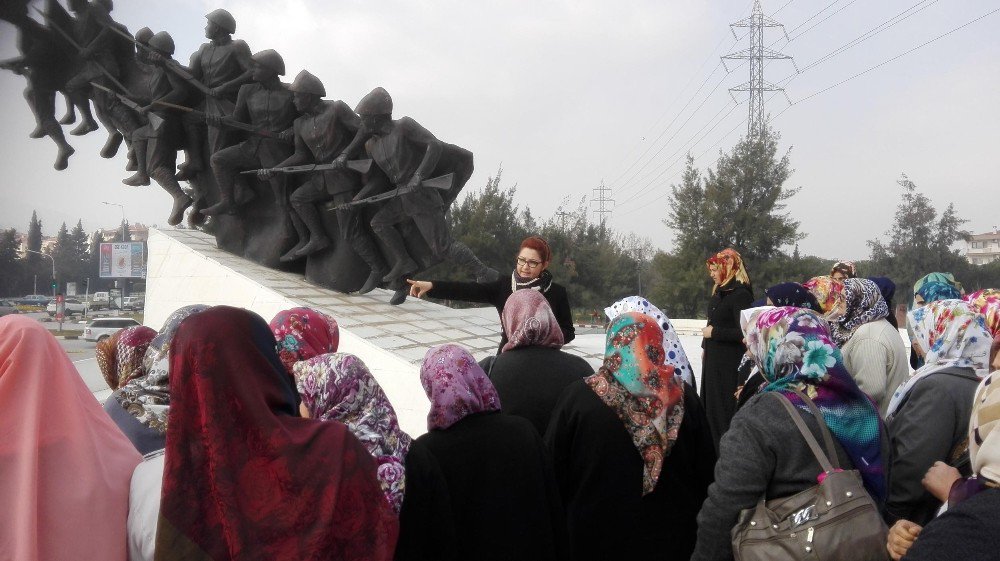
(228, 437)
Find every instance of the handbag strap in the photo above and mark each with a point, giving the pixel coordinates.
(824, 460)
(831, 450)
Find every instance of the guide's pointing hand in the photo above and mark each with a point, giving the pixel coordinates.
(419, 288)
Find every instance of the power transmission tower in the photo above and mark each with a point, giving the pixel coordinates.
(602, 196)
(757, 54)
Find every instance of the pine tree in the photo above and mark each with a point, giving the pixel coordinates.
(11, 267)
(34, 238)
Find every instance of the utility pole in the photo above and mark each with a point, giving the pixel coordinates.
(757, 54)
(602, 196)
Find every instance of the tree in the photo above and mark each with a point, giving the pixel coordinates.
(34, 237)
(739, 204)
(11, 266)
(62, 253)
(920, 241)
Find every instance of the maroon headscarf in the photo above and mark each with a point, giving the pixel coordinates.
(528, 321)
(245, 476)
(456, 386)
(303, 333)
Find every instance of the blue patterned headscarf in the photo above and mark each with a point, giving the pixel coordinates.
(793, 349)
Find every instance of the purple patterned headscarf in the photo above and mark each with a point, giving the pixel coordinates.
(339, 387)
(528, 321)
(456, 386)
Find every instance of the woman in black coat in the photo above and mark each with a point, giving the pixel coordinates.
(530, 273)
(723, 339)
(531, 371)
(632, 452)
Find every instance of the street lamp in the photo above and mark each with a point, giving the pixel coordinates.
(53, 266)
(121, 206)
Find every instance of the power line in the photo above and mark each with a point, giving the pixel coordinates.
(887, 61)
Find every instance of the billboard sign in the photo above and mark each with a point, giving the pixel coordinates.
(122, 260)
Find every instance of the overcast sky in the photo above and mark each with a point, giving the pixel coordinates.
(567, 93)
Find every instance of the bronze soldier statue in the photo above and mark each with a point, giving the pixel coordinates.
(407, 154)
(222, 65)
(267, 105)
(155, 143)
(46, 66)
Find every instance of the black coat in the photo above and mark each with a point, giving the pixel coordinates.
(502, 498)
(531, 379)
(930, 425)
(970, 532)
(497, 292)
(600, 479)
(723, 352)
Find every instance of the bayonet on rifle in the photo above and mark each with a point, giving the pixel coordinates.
(360, 166)
(442, 182)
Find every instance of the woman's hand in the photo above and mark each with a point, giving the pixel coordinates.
(901, 537)
(419, 288)
(706, 332)
(939, 479)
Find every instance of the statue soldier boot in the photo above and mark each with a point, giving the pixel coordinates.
(302, 232)
(317, 234)
(461, 253)
(369, 253)
(141, 176)
(403, 264)
(166, 179)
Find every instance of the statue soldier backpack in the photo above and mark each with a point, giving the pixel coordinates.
(836, 520)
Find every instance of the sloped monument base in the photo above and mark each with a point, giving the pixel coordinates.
(187, 267)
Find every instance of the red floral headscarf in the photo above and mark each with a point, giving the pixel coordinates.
(303, 333)
(729, 262)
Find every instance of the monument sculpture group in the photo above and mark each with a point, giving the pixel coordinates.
(276, 172)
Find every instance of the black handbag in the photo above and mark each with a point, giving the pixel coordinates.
(836, 520)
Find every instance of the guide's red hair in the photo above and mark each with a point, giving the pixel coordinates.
(538, 244)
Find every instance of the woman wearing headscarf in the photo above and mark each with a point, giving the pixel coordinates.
(987, 302)
(931, 288)
(674, 354)
(632, 450)
(245, 475)
(120, 356)
(888, 290)
(339, 387)
(829, 294)
(64, 466)
(723, 339)
(303, 333)
(502, 498)
(873, 351)
(763, 455)
(531, 272)
(844, 270)
(784, 294)
(139, 407)
(532, 370)
(928, 416)
(970, 528)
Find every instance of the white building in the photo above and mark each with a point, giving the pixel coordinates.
(981, 249)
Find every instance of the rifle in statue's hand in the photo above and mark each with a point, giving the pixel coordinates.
(226, 121)
(154, 120)
(442, 182)
(360, 166)
(171, 64)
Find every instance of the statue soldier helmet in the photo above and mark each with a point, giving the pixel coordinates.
(377, 102)
(306, 83)
(223, 19)
(270, 59)
(162, 42)
(143, 35)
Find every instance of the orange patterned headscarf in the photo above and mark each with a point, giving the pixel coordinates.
(729, 262)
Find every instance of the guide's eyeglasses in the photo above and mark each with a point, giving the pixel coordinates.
(530, 263)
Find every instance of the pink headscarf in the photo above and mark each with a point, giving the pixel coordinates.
(65, 467)
(302, 333)
(456, 386)
(528, 321)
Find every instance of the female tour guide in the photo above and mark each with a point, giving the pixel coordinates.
(530, 273)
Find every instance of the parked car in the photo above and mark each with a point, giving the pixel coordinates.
(37, 300)
(73, 307)
(102, 328)
(8, 307)
(133, 303)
